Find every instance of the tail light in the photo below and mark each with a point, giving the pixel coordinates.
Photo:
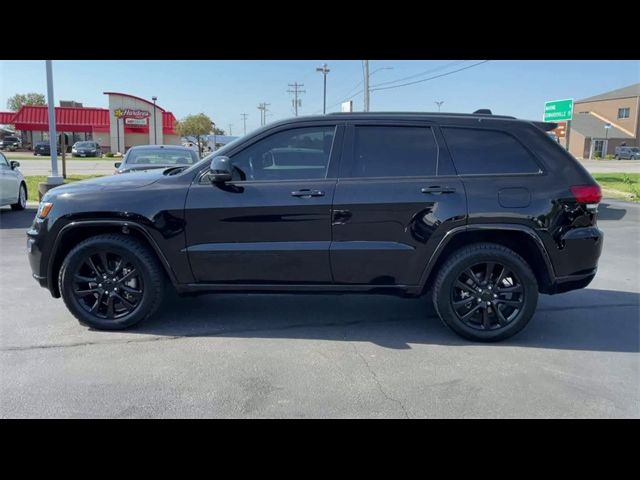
(589, 194)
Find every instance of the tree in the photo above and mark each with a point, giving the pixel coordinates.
(197, 126)
(19, 99)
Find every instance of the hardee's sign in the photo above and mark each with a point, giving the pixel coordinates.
(131, 113)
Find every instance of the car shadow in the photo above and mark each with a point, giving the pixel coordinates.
(608, 212)
(21, 219)
(597, 320)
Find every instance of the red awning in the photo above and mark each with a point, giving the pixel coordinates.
(68, 119)
(6, 118)
(168, 123)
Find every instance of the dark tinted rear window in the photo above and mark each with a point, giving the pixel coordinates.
(382, 151)
(477, 151)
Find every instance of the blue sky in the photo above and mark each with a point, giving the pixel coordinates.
(225, 89)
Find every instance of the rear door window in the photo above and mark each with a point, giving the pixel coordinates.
(394, 151)
(486, 152)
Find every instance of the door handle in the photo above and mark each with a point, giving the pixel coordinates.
(306, 193)
(436, 189)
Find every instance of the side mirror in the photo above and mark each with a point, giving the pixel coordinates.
(14, 164)
(117, 164)
(221, 169)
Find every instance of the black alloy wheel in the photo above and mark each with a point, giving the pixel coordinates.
(485, 292)
(111, 281)
(108, 285)
(487, 296)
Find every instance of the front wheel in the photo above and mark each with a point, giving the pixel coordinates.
(485, 292)
(111, 282)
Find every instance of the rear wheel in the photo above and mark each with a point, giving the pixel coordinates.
(21, 204)
(485, 292)
(111, 282)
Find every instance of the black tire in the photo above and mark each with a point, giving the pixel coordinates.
(21, 204)
(446, 291)
(149, 274)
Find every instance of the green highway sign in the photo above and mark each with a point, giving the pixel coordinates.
(558, 110)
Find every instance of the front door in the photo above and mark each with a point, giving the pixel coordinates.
(396, 198)
(272, 223)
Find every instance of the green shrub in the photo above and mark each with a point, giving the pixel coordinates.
(609, 157)
(108, 155)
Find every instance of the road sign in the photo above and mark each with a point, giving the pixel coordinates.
(558, 110)
(561, 130)
(608, 125)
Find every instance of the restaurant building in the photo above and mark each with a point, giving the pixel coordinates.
(128, 121)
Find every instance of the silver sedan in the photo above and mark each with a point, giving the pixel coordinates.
(13, 188)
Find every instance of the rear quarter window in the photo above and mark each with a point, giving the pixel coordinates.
(486, 152)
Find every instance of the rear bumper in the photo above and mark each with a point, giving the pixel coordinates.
(577, 260)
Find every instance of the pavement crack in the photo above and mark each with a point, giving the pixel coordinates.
(376, 380)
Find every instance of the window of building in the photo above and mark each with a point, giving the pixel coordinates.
(383, 151)
(624, 112)
(476, 151)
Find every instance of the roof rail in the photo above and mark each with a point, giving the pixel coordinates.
(432, 114)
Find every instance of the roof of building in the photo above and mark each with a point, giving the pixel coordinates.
(32, 117)
(135, 98)
(625, 92)
(593, 127)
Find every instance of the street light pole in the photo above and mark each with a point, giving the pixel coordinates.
(439, 104)
(155, 128)
(55, 178)
(324, 69)
(214, 135)
(367, 89)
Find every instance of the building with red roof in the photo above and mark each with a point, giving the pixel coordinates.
(128, 121)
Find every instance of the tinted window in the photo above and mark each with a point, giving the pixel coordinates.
(300, 153)
(394, 152)
(487, 152)
(163, 156)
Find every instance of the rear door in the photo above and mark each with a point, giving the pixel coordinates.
(396, 197)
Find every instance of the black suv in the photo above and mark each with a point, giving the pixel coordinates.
(481, 211)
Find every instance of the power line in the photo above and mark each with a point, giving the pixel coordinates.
(437, 69)
(296, 91)
(431, 78)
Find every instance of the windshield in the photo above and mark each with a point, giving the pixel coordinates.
(635, 149)
(11, 139)
(85, 145)
(161, 157)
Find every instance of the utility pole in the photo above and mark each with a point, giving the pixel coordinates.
(263, 113)
(366, 85)
(439, 104)
(230, 125)
(296, 91)
(244, 121)
(324, 69)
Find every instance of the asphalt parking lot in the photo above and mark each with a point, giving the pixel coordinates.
(323, 356)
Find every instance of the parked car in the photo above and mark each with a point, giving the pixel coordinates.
(86, 149)
(627, 153)
(44, 148)
(148, 157)
(10, 143)
(13, 188)
(482, 212)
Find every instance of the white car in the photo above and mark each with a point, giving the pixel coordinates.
(13, 188)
